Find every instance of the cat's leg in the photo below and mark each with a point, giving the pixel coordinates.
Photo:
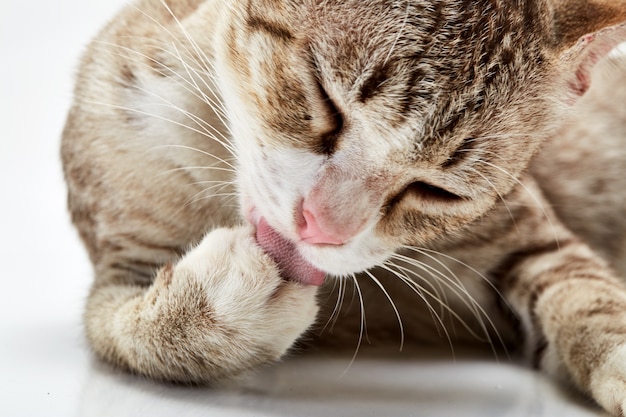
(222, 309)
(573, 311)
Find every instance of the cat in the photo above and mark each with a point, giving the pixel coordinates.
(230, 162)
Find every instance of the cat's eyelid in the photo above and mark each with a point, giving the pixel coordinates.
(431, 191)
(428, 192)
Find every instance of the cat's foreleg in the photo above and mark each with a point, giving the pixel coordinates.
(222, 309)
(573, 310)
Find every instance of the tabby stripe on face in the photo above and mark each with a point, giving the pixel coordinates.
(273, 29)
(461, 153)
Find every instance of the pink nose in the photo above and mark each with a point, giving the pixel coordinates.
(311, 232)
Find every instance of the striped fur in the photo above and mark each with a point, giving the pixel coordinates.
(460, 147)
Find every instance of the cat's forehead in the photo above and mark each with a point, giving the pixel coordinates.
(424, 69)
(355, 36)
(362, 34)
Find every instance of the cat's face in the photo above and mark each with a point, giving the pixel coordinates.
(362, 126)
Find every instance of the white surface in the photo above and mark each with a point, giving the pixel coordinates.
(45, 367)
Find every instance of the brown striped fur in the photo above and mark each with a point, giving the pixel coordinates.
(471, 151)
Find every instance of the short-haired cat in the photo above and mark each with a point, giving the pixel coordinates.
(229, 161)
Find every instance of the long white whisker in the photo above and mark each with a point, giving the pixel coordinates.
(217, 182)
(156, 116)
(161, 26)
(222, 113)
(362, 326)
(332, 319)
(530, 193)
(421, 250)
(417, 289)
(393, 305)
(451, 281)
(220, 186)
(201, 123)
(460, 293)
(438, 293)
(212, 168)
(180, 81)
(499, 196)
(217, 109)
(480, 314)
(205, 62)
(190, 148)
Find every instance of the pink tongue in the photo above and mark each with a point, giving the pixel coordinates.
(291, 264)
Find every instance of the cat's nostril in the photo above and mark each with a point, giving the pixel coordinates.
(311, 232)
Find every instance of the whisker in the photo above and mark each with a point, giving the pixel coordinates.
(468, 301)
(479, 313)
(218, 110)
(217, 182)
(363, 325)
(180, 80)
(213, 168)
(161, 26)
(393, 305)
(465, 265)
(447, 280)
(207, 128)
(156, 116)
(458, 289)
(506, 206)
(219, 187)
(222, 113)
(439, 293)
(205, 62)
(417, 289)
(191, 148)
(530, 193)
(332, 319)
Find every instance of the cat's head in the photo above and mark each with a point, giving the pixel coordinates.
(362, 126)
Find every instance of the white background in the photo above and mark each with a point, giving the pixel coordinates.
(45, 367)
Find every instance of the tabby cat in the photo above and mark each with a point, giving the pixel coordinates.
(233, 164)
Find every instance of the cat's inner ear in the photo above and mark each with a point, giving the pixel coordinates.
(584, 32)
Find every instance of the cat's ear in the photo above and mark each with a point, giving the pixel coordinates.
(584, 32)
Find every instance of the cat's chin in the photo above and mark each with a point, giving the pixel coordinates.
(345, 260)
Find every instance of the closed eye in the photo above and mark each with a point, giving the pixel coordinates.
(426, 193)
(431, 192)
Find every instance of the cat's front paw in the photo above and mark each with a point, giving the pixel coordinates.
(247, 293)
(608, 382)
(222, 309)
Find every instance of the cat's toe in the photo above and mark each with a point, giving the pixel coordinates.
(608, 382)
(245, 287)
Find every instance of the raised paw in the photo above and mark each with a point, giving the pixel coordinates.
(246, 292)
(222, 309)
